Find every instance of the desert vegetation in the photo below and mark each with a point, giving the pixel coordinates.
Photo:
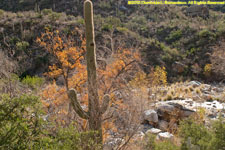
(96, 75)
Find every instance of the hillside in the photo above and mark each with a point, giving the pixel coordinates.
(175, 38)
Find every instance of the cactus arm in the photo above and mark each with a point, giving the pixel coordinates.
(76, 105)
(105, 103)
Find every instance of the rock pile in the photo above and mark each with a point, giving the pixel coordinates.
(166, 116)
(164, 119)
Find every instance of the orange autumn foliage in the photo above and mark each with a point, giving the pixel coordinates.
(112, 76)
(67, 56)
(70, 59)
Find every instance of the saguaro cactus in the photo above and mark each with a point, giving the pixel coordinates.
(95, 110)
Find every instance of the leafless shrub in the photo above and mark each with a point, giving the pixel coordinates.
(218, 60)
(7, 66)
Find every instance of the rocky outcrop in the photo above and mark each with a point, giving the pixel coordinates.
(163, 125)
(194, 84)
(164, 119)
(165, 116)
(150, 116)
(197, 10)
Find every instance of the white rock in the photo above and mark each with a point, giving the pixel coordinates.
(139, 135)
(151, 116)
(113, 142)
(194, 83)
(165, 135)
(153, 131)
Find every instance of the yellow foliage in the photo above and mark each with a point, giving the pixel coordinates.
(158, 76)
(139, 80)
(208, 70)
(201, 113)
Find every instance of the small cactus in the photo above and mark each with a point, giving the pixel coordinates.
(95, 111)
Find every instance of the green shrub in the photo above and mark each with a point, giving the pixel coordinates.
(160, 31)
(20, 122)
(193, 51)
(107, 27)
(205, 34)
(174, 36)
(48, 27)
(13, 40)
(151, 144)
(122, 29)
(221, 29)
(80, 20)
(1, 12)
(104, 5)
(70, 139)
(139, 20)
(46, 11)
(218, 140)
(170, 54)
(194, 134)
(22, 126)
(197, 135)
(22, 46)
(166, 145)
(54, 16)
(38, 15)
(113, 21)
(33, 82)
(110, 23)
(138, 23)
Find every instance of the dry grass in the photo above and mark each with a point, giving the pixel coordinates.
(181, 90)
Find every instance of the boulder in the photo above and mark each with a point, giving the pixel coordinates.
(168, 111)
(164, 111)
(194, 84)
(172, 127)
(171, 110)
(187, 113)
(166, 108)
(163, 125)
(165, 135)
(153, 131)
(151, 116)
(206, 87)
